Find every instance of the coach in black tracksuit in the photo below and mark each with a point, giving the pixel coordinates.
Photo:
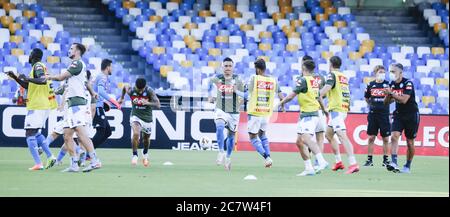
(405, 117)
(378, 117)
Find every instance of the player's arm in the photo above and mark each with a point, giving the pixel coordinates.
(63, 102)
(91, 90)
(155, 100)
(20, 81)
(60, 77)
(39, 75)
(287, 99)
(102, 93)
(367, 94)
(212, 81)
(243, 92)
(125, 90)
(329, 84)
(322, 105)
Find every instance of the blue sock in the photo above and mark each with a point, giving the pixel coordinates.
(408, 163)
(61, 154)
(77, 149)
(32, 146)
(258, 146)
(43, 143)
(394, 158)
(220, 137)
(230, 144)
(265, 144)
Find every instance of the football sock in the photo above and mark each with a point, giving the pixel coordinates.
(32, 147)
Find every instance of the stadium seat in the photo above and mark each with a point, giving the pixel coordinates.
(426, 100)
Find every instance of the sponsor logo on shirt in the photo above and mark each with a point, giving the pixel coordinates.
(377, 92)
(343, 80)
(265, 85)
(315, 83)
(225, 88)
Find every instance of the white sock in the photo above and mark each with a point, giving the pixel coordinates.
(351, 160)
(320, 159)
(308, 165)
(338, 158)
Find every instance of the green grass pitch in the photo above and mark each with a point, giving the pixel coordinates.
(195, 174)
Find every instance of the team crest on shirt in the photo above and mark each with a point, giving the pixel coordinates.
(145, 94)
(409, 86)
(401, 85)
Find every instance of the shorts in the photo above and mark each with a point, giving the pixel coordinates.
(337, 121)
(378, 122)
(100, 120)
(146, 127)
(256, 124)
(231, 120)
(322, 123)
(59, 127)
(35, 119)
(307, 125)
(408, 122)
(76, 116)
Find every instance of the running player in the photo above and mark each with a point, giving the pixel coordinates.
(307, 88)
(227, 110)
(40, 100)
(260, 95)
(77, 109)
(406, 115)
(143, 98)
(378, 117)
(338, 94)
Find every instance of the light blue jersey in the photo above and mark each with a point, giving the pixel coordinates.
(102, 86)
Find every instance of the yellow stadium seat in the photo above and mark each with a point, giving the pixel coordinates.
(229, 7)
(194, 45)
(155, 18)
(439, 26)
(368, 43)
(120, 85)
(159, 50)
(321, 17)
(128, 4)
(45, 40)
(283, 3)
(246, 27)
(16, 52)
(3, 2)
(222, 39)
(368, 79)
(340, 42)
(265, 34)
(292, 47)
(190, 26)
(189, 39)
(286, 9)
(16, 39)
(327, 54)
(186, 63)
(13, 27)
(6, 20)
(296, 23)
(325, 3)
(214, 52)
(29, 14)
(214, 64)
(265, 47)
(340, 24)
(442, 81)
(164, 70)
(177, 1)
(53, 59)
(8, 6)
(265, 58)
(234, 14)
(294, 35)
(354, 55)
(204, 13)
(330, 10)
(276, 16)
(427, 100)
(288, 29)
(437, 50)
(364, 49)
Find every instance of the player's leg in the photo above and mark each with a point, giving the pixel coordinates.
(385, 131)
(410, 134)
(266, 146)
(70, 146)
(146, 132)
(136, 128)
(254, 125)
(304, 153)
(335, 148)
(230, 147)
(307, 129)
(397, 129)
(102, 127)
(372, 131)
(220, 127)
(32, 147)
(341, 132)
(84, 139)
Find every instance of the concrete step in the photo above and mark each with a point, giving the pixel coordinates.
(79, 17)
(92, 31)
(71, 10)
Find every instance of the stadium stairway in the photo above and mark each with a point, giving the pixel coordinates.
(85, 18)
(394, 27)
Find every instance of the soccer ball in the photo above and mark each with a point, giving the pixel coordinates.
(205, 142)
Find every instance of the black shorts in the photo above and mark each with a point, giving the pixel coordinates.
(378, 122)
(409, 122)
(100, 120)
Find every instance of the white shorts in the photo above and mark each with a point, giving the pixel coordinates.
(35, 119)
(146, 127)
(59, 127)
(337, 121)
(256, 124)
(76, 116)
(322, 123)
(231, 120)
(307, 125)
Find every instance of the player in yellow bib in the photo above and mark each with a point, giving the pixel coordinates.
(307, 89)
(261, 94)
(40, 100)
(338, 93)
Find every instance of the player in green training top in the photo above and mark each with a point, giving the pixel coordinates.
(142, 99)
